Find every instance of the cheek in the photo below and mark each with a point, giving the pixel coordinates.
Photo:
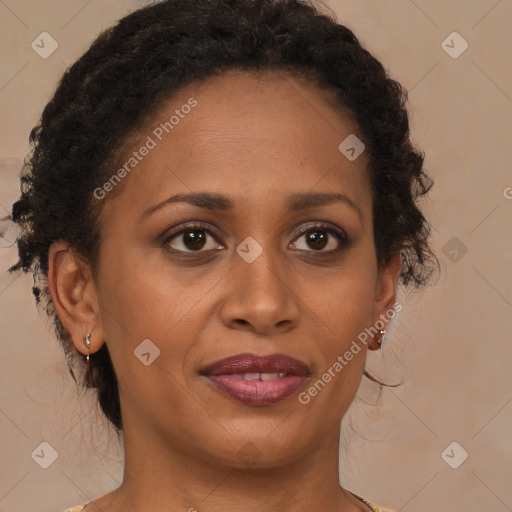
(141, 298)
(132, 306)
(343, 311)
(346, 303)
(344, 308)
(139, 304)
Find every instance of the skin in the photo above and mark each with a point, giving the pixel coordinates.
(257, 138)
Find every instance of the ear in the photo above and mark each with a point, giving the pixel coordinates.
(74, 296)
(386, 290)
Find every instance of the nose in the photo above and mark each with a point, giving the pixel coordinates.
(259, 296)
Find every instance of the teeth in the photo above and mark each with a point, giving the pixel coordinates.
(272, 376)
(251, 376)
(263, 376)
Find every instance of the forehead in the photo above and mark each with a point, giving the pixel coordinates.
(248, 108)
(248, 131)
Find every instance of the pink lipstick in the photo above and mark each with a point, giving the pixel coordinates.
(257, 380)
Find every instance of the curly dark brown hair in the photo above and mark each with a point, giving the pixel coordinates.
(131, 68)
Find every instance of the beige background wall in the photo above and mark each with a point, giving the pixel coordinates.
(452, 345)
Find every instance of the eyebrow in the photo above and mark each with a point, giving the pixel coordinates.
(295, 202)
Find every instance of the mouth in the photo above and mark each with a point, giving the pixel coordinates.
(257, 380)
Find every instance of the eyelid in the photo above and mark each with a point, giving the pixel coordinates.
(339, 233)
(190, 226)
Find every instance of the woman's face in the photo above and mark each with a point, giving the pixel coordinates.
(254, 278)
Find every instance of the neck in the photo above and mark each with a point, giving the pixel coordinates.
(159, 476)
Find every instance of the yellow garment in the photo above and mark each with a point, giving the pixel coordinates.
(375, 508)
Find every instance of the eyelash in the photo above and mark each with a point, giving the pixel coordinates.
(338, 233)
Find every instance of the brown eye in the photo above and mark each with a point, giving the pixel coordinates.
(317, 239)
(321, 239)
(193, 239)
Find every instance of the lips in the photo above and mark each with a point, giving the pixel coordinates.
(250, 363)
(257, 380)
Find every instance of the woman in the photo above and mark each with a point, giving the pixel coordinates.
(219, 208)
